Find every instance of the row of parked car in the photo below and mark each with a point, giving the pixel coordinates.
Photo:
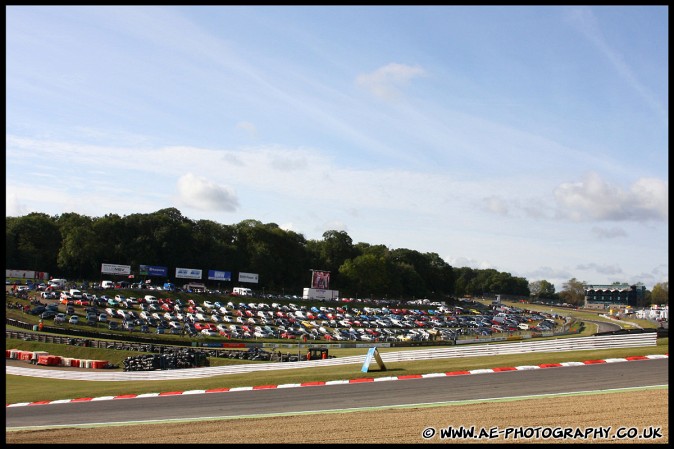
(290, 321)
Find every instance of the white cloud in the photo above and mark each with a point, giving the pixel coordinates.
(199, 193)
(13, 206)
(595, 199)
(385, 81)
(466, 262)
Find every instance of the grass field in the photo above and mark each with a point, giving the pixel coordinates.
(27, 389)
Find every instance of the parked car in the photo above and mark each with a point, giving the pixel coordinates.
(113, 325)
(48, 314)
(37, 310)
(74, 320)
(60, 318)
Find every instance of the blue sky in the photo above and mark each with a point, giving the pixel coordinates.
(531, 140)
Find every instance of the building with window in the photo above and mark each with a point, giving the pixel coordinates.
(616, 294)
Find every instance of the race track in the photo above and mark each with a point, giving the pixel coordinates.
(567, 379)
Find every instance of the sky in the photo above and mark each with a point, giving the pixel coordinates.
(528, 139)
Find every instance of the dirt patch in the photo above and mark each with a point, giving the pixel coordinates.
(638, 410)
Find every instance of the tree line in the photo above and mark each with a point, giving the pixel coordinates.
(74, 246)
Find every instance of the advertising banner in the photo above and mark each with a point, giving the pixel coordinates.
(248, 277)
(320, 279)
(188, 273)
(111, 268)
(149, 270)
(214, 275)
(26, 274)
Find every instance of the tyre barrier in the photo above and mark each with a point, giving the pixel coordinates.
(177, 359)
(45, 359)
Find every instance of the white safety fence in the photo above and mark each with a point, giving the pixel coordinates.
(556, 345)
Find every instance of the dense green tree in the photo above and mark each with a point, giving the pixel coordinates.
(33, 242)
(335, 248)
(80, 248)
(75, 246)
(366, 275)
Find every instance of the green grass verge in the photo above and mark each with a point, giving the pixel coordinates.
(27, 389)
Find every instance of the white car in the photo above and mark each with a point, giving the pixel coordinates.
(209, 333)
(208, 304)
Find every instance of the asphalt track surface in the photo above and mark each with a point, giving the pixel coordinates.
(342, 397)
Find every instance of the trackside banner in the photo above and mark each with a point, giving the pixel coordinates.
(214, 275)
(188, 273)
(248, 277)
(149, 270)
(111, 268)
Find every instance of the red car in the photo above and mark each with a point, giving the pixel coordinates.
(201, 326)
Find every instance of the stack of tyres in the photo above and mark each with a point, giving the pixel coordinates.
(168, 359)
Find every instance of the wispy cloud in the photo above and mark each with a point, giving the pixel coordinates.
(585, 21)
(603, 269)
(248, 128)
(496, 205)
(386, 81)
(612, 233)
